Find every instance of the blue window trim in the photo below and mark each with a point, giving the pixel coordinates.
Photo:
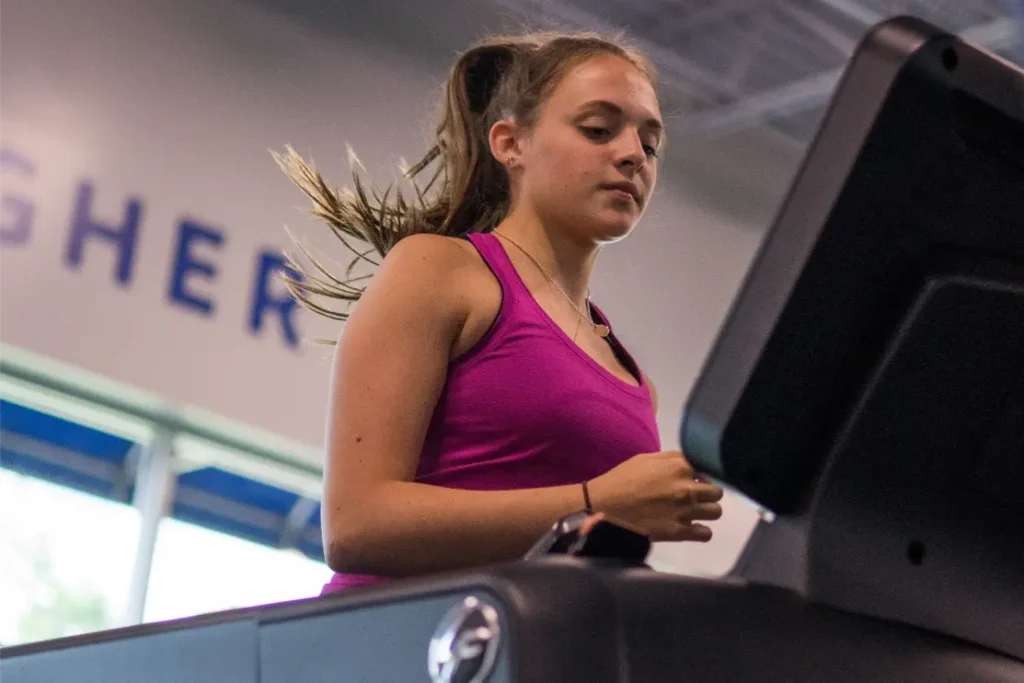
(69, 454)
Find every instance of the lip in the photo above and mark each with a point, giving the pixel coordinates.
(625, 187)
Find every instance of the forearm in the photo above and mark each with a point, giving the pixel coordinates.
(405, 529)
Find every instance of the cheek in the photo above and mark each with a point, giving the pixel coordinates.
(568, 172)
(650, 179)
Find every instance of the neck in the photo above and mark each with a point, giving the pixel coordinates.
(568, 260)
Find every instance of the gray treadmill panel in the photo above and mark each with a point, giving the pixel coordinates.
(219, 653)
(383, 642)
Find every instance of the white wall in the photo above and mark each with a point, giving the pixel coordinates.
(176, 104)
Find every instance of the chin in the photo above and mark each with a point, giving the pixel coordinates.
(608, 230)
(601, 226)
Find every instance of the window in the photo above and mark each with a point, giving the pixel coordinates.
(66, 558)
(197, 570)
(70, 536)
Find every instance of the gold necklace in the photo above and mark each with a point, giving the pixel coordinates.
(600, 329)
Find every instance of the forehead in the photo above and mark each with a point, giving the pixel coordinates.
(610, 78)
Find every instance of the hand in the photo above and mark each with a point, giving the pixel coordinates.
(656, 494)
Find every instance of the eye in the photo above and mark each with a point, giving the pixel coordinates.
(651, 152)
(596, 133)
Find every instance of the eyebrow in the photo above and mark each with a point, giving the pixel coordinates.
(610, 107)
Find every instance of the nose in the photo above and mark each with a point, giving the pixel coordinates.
(630, 151)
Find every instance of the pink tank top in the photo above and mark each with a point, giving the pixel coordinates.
(526, 407)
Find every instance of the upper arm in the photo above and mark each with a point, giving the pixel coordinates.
(390, 366)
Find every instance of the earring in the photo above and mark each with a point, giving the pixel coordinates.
(511, 162)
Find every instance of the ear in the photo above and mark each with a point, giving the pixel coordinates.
(506, 142)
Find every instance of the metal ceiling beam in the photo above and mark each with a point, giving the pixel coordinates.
(736, 75)
(1015, 8)
(717, 13)
(815, 90)
(677, 72)
(843, 43)
(853, 10)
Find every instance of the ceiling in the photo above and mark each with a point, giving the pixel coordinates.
(744, 63)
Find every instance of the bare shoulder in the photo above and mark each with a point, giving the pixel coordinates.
(434, 277)
(456, 276)
(438, 262)
(429, 252)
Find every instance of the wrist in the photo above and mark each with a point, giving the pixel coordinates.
(600, 498)
(588, 504)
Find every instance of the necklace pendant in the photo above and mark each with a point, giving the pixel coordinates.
(602, 330)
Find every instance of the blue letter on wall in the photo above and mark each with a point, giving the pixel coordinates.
(83, 225)
(268, 267)
(16, 222)
(186, 263)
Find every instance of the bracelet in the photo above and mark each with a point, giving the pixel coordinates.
(586, 500)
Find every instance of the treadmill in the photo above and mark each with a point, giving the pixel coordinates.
(866, 391)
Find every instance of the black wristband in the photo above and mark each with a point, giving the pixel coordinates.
(586, 500)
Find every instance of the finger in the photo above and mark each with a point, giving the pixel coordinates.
(685, 531)
(706, 493)
(706, 511)
(691, 493)
(697, 532)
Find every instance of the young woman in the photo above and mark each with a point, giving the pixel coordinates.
(477, 393)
